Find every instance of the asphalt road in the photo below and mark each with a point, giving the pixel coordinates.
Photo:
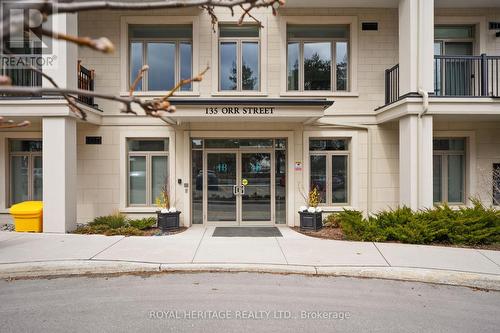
(242, 302)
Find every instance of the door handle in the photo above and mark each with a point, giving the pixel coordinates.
(242, 189)
(236, 189)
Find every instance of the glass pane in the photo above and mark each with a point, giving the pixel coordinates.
(256, 196)
(317, 31)
(456, 178)
(328, 144)
(159, 175)
(339, 179)
(221, 143)
(318, 175)
(148, 145)
(227, 72)
(234, 30)
(19, 183)
(458, 48)
(197, 187)
(437, 178)
(450, 31)
(449, 144)
(37, 178)
(221, 179)
(250, 66)
(186, 64)
(496, 184)
(197, 143)
(25, 145)
(341, 62)
(161, 61)
(457, 144)
(137, 180)
(280, 143)
(257, 143)
(280, 187)
(160, 31)
(438, 50)
(317, 66)
(293, 66)
(136, 62)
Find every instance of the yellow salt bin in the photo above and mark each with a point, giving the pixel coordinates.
(28, 216)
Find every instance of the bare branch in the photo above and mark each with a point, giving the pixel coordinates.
(102, 44)
(12, 124)
(197, 78)
(137, 79)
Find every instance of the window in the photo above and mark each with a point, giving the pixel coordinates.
(449, 170)
(239, 60)
(329, 166)
(454, 77)
(25, 167)
(167, 50)
(496, 184)
(147, 170)
(317, 57)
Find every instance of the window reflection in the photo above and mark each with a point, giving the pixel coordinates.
(228, 72)
(317, 66)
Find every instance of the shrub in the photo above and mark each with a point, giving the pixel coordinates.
(144, 223)
(475, 225)
(113, 221)
(331, 221)
(124, 231)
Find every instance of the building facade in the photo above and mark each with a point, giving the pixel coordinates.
(381, 106)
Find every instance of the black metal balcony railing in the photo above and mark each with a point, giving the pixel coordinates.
(392, 84)
(22, 77)
(85, 82)
(455, 76)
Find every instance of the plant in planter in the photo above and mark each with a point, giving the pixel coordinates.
(311, 215)
(168, 217)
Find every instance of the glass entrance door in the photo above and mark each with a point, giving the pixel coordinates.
(256, 189)
(220, 173)
(238, 187)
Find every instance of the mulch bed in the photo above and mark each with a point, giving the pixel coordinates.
(337, 234)
(157, 232)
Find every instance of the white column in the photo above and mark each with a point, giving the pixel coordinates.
(408, 161)
(425, 184)
(59, 174)
(416, 45)
(415, 162)
(63, 67)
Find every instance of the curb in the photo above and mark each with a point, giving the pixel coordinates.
(55, 269)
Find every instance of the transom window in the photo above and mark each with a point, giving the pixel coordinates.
(329, 164)
(26, 174)
(167, 50)
(147, 170)
(317, 57)
(449, 170)
(239, 57)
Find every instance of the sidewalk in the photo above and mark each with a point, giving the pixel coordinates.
(28, 255)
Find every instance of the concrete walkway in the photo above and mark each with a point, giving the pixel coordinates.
(25, 254)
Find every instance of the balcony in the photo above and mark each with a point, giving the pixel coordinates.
(85, 79)
(455, 76)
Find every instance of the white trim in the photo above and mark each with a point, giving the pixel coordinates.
(144, 133)
(470, 157)
(4, 159)
(353, 190)
(481, 28)
(126, 20)
(214, 69)
(352, 21)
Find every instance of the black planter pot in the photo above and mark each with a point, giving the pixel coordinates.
(168, 221)
(310, 221)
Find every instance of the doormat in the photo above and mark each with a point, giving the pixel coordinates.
(247, 232)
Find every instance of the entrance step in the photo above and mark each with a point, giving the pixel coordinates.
(247, 232)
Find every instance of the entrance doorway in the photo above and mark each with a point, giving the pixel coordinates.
(243, 184)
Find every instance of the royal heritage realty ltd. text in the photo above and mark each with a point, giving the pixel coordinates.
(247, 315)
